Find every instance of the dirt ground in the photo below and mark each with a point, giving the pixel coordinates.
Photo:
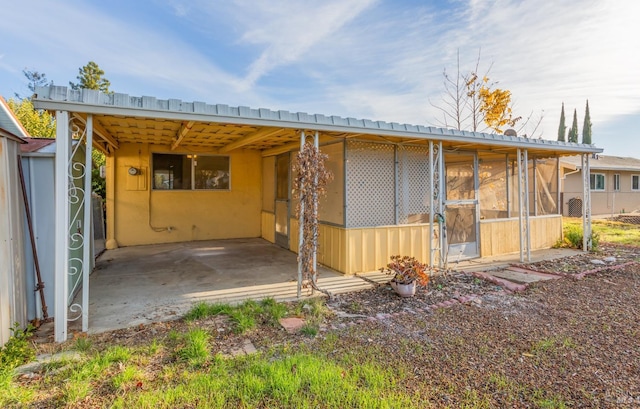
(573, 341)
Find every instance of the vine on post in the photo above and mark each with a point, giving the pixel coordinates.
(309, 184)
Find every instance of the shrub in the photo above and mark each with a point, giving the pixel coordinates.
(17, 351)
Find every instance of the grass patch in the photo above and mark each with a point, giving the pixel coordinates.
(195, 350)
(301, 381)
(11, 393)
(606, 231)
(203, 310)
(245, 316)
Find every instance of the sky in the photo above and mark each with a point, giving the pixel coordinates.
(372, 59)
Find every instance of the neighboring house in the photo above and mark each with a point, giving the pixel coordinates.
(614, 184)
(182, 171)
(13, 280)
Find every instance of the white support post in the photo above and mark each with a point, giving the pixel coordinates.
(431, 203)
(300, 228)
(87, 256)
(444, 254)
(527, 224)
(523, 205)
(586, 203)
(61, 225)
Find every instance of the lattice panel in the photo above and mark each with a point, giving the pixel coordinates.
(370, 184)
(413, 184)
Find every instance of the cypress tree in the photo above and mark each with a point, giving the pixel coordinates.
(573, 131)
(586, 128)
(562, 129)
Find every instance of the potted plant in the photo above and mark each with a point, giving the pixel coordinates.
(407, 274)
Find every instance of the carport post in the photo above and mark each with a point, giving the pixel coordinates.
(61, 225)
(523, 204)
(586, 203)
(300, 227)
(87, 254)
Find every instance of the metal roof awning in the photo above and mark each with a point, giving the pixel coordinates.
(187, 125)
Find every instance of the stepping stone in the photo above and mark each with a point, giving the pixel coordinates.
(521, 277)
(41, 360)
(247, 348)
(292, 325)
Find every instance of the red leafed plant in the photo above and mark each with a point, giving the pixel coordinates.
(406, 270)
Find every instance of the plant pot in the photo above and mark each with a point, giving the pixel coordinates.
(404, 290)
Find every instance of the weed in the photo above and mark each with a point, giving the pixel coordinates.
(17, 350)
(203, 310)
(198, 311)
(309, 330)
(243, 322)
(116, 354)
(154, 347)
(196, 347)
(83, 344)
(274, 310)
(545, 402)
(125, 378)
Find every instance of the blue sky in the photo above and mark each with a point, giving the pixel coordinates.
(373, 59)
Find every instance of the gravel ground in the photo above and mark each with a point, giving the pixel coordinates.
(461, 340)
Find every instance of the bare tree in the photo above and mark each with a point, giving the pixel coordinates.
(461, 103)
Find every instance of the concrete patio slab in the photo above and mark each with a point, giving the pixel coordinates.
(144, 284)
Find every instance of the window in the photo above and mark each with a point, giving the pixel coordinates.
(635, 182)
(187, 172)
(597, 181)
(616, 182)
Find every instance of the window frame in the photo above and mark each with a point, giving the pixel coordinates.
(192, 158)
(593, 182)
(637, 178)
(616, 182)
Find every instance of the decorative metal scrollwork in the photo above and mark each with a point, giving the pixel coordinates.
(76, 173)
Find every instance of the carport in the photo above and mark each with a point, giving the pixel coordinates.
(181, 172)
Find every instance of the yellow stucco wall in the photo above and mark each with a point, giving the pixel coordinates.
(190, 214)
(502, 236)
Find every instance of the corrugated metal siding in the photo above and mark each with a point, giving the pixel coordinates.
(39, 180)
(13, 291)
(369, 249)
(268, 224)
(502, 236)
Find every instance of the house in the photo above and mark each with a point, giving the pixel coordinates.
(13, 280)
(183, 171)
(614, 182)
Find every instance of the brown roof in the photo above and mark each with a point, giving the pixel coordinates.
(604, 162)
(35, 144)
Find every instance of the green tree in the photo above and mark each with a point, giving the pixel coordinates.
(91, 77)
(573, 131)
(562, 129)
(38, 123)
(586, 128)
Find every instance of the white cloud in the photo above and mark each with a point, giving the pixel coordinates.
(290, 29)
